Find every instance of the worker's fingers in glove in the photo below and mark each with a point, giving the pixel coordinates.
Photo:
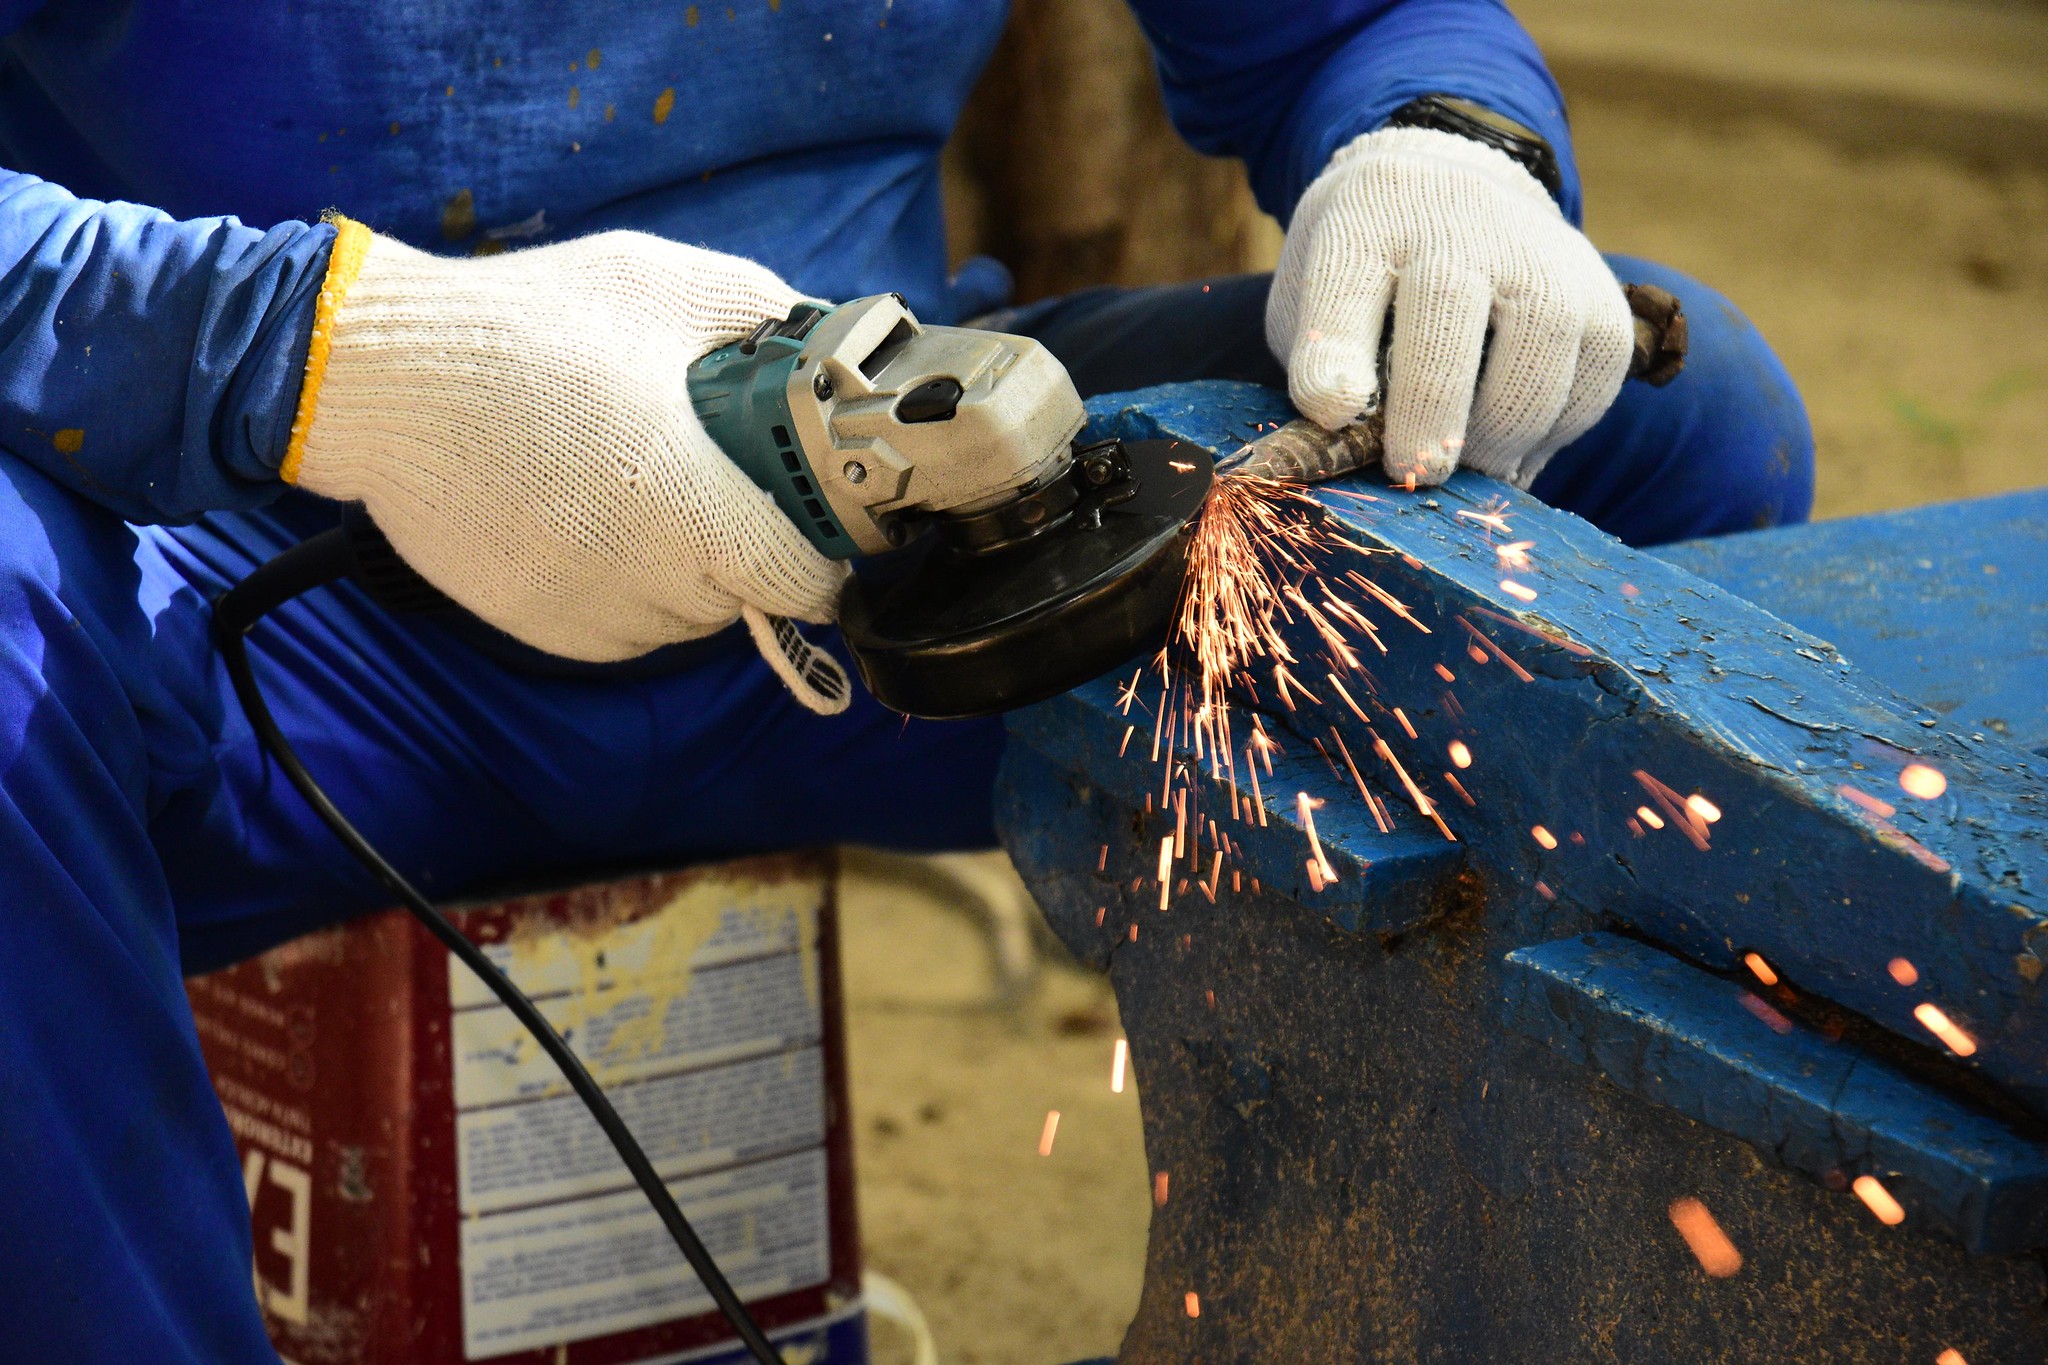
(1527, 379)
(761, 558)
(1331, 350)
(1605, 344)
(1440, 319)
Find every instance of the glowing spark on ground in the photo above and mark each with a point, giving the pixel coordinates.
(1159, 1180)
(1705, 809)
(1193, 1303)
(1051, 1129)
(1879, 1200)
(1460, 755)
(1118, 1060)
(1515, 555)
(1649, 817)
(1446, 674)
(1903, 972)
(1543, 837)
(1922, 781)
(1950, 1357)
(1941, 1026)
(1717, 1255)
(1762, 969)
(1521, 592)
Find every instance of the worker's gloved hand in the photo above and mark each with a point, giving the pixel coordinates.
(520, 428)
(1474, 256)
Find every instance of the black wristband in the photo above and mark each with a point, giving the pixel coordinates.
(1450, 114)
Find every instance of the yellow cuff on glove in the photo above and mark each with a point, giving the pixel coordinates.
(344, 263)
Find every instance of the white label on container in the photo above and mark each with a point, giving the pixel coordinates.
(702, 1021)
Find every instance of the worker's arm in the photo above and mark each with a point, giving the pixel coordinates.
(1283, 84)
(149, 364)
(1469, 251)
(517, 425)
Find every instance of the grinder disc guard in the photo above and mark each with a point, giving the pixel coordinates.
(942, 633)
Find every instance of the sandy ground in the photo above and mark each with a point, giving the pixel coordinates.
(1907, 295)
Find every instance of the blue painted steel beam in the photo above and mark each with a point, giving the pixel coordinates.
(1370, 1162)
(1717, 1052)
(1947, 605)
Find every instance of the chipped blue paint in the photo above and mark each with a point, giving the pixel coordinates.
(1946, 604)
(1366, 1165)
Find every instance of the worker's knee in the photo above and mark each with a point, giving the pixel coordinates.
(1724, 447)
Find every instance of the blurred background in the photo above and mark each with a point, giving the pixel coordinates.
(1867, 179)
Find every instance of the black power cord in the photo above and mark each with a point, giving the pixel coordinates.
(324, 559)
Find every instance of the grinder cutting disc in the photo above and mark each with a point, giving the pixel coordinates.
(945, 633)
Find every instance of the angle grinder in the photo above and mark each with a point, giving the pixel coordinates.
(1001, 561)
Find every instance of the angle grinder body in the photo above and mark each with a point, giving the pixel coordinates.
(998, 562)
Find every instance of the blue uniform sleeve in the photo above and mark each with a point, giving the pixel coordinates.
(149, 364)
(1282, 84)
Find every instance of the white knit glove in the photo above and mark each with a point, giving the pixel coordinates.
(1458, 238)
(519, 428)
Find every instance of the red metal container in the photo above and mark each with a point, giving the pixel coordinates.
(426, 1189)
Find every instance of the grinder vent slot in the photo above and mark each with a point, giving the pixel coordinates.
(892, 344)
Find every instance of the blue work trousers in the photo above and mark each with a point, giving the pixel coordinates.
(143, 834)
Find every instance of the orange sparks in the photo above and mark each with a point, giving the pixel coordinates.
(1459, 788)
(1345, 695)
(1306, 808)
(1917, 779)
(1649, 817)
(1519, 591)
(1117, 1062)
(1165, 869)
(1690, 822)
(1883, 810)
(1483, 645)
(1128, 731)
(1422, 803)
(1446, 674)
(1941, 1026)
(1492, 521)
(1543, 836)
(1950, 1357)
(1903, 972)
(1515, 554)
(1717, 1255)
(1461, 757)
(1194, 1304)
(1879, 1200)
(1102, 859)
(1762, 969)
(1771, 1019)
(1159, 1189)
(1631, 590)
(1402, 716)
(1315, 875)
(1705, 809)
(1051, 1130)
